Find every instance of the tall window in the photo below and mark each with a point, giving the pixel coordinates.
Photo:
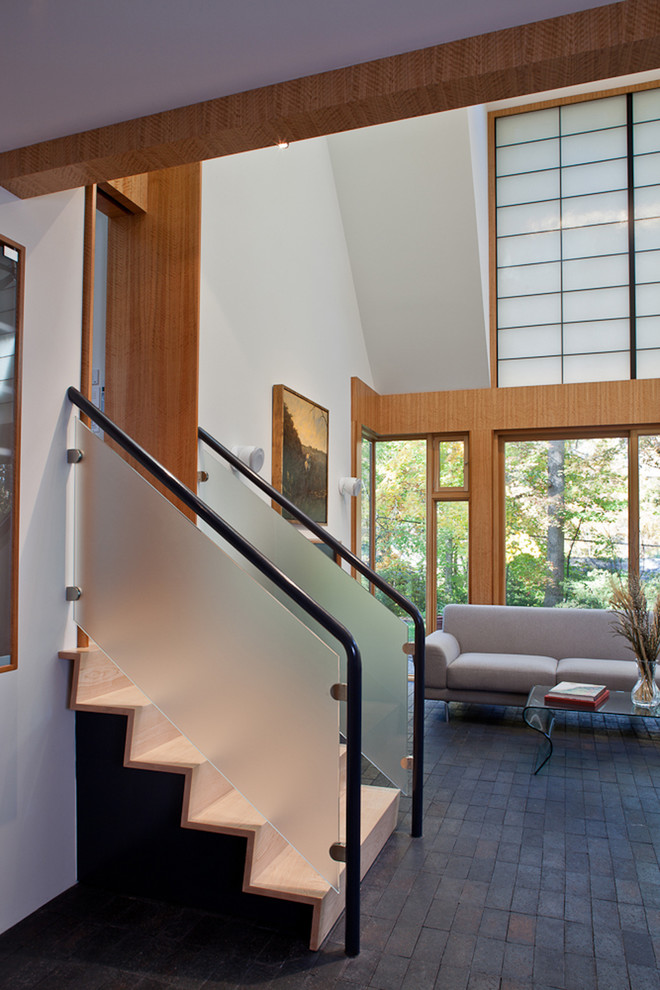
(580, 511)
(10, 300)
(415, 519)
(578, 241)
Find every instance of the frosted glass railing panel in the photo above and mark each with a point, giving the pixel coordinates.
(237, 674)
(379, 634)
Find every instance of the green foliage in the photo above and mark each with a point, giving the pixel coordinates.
(400, 518)
(6, 486)
(400, 522)
(566, 520)
(452, 553)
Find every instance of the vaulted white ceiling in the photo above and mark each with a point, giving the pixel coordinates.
(70, 65)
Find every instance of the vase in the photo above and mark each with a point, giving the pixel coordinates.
(645, 693)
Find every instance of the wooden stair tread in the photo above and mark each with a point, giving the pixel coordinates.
(231, 810)
(290, 872)
(178, 752)
(125, 697)
(272, 867)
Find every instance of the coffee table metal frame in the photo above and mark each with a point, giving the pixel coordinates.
(540, 716)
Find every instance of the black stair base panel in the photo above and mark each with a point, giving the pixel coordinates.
(130, 840)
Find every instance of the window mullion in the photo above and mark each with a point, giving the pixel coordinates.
(632, 276)
(633, 505)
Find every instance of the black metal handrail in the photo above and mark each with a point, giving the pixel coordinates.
(316, 611)
(382, 585)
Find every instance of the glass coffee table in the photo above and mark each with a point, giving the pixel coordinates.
(540, 715)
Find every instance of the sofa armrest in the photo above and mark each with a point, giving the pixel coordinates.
(441, 649)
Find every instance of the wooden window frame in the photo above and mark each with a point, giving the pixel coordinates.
(434, 494)
(631, 433)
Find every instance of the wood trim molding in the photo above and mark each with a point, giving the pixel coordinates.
(600, 43)
(491, 414)
(87, 338)
(89, 255)
(122, 196)
(152, 327)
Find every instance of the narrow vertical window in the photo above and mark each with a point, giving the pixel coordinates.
(450, 537)
(10, 300)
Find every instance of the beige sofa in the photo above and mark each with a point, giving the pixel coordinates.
(494, 654)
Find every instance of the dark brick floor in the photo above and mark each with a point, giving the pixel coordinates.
(520, 883)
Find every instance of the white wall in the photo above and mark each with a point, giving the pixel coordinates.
(408, 205)
(278, 304)
(37, 792)
(478, 129)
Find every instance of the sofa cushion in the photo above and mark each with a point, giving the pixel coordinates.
(558, 632)
(515, 672)
(617, 675)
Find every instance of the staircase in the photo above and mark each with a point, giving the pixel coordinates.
(273, 868)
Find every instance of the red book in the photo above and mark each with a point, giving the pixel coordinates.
(577, 695)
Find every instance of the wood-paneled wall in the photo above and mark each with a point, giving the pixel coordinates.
(152, 333)
(611, 40)
(486, 414)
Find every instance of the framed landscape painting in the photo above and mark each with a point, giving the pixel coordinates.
(300, 452)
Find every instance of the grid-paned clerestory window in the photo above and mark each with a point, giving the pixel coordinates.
(578, 241)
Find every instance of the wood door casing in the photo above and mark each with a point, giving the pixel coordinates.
(152, 330)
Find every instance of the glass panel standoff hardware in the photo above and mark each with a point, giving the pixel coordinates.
(407, 763)
(73, 455)
(73, 593)
(339, 692)
(202, 476)
(338, 852)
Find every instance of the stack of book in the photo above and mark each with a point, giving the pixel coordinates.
(575, 695)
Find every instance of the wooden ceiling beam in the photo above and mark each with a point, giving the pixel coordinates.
(600, 43)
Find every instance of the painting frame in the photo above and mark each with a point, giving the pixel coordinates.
(300, 452)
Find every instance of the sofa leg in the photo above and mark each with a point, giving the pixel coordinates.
(446, 711)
